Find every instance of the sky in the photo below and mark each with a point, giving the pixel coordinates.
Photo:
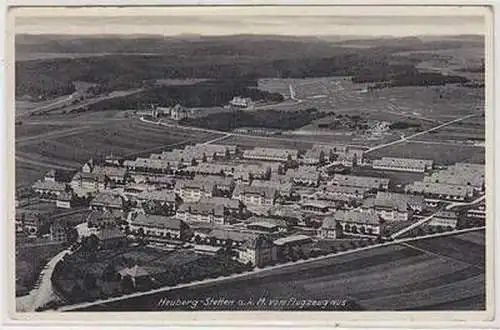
(299, 21)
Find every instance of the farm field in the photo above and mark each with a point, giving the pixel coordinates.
(340, 95)
(396, 177)
(127, 138)
(429, 274)
(442, 154)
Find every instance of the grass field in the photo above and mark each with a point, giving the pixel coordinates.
(30, 259)
(434, 274)
(397, 178)
(127, 138)
(442, 154)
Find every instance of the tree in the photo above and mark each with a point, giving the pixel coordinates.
(71, 235)
(91, 243)
(197, 239)
(89, 282)
(127, 284)
(77, 292)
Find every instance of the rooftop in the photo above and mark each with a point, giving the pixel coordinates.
(107, 199)
(157, 195)
(157, 221)
(359, 181)
(266, 192)
(403, 162)
(49, 185)
(293, 239)
(369, 217)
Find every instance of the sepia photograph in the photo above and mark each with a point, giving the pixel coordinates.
(230, 159)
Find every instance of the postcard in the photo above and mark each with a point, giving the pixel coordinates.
(318, 165)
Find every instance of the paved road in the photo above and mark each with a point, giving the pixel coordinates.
(259, 270)
(44, 293)
(406, 139)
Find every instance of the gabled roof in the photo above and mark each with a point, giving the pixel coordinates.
(110, 233)
(359, 217)
(359, 181)
(293, 239)
(48, 185)
(157, 221)
(157, 195)
(266, 192)
(104, 198)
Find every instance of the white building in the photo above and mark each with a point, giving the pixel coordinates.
(403, 164)
(271, 154)
(254, 195)
(242, 103)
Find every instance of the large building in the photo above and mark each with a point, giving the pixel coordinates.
(342, 193)
(49, 189)
(232, 206)
(192, 191)
(202, 212)
(441, 191)
(245, 103)
(358, 222)
(445, 219)
(403, 164)
(460, 174)
(304, 175)
(164, 200)
(271, 154)
(178, 112)
(285, 189)
(107, 201)
(259, 251)
(360, 182)
(328, 229)
(395, 207)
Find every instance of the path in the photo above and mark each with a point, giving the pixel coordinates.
(426, 219)
(405, 139)
(43, 292)
(269, 269)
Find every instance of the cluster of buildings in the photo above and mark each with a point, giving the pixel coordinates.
(176, 112)
(256, 200)
(244, 103)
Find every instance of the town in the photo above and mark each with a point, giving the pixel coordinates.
(300, 169)
(247, 208)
